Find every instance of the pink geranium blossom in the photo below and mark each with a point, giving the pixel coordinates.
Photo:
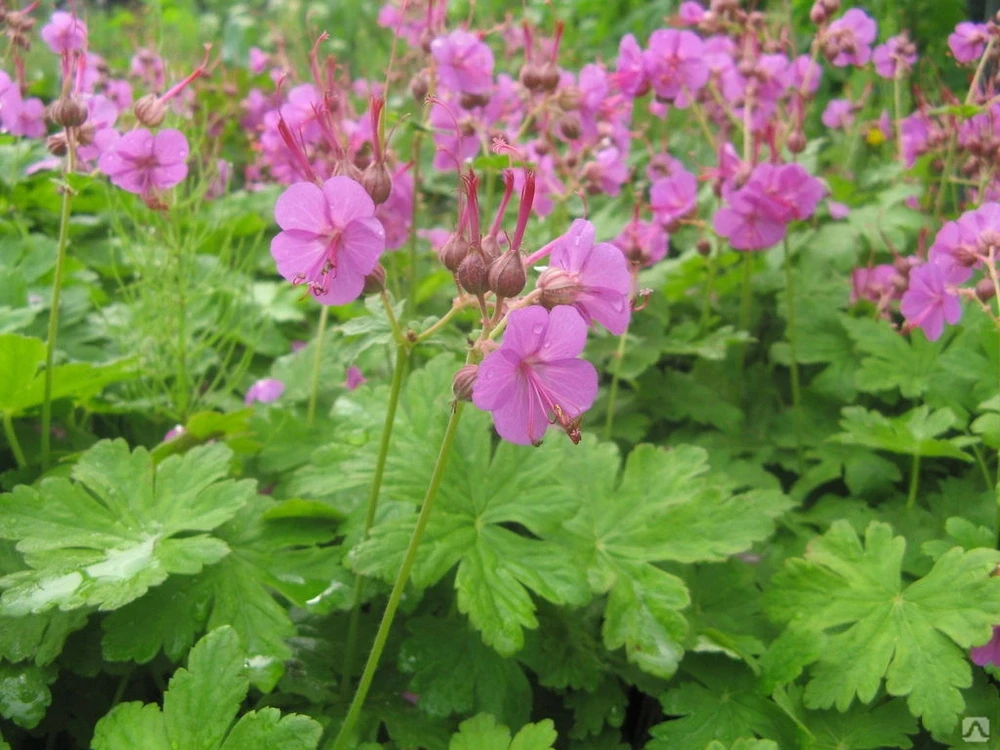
(630, 74)
(848, 40)
(464, 62)
(535, 378)
(592, 277)
(838, 115)
(642, 242)
(674, 197)
(675, 64)
(968, 41)
(354, 378)
(142, 163)
(690, 13)
(27, 118)
(258, 60)
(265, 391)
(330, 240)
(64, 33)
(989, 652)
(895, 57)
(930, 300)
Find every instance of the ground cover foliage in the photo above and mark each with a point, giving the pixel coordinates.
(451, 375)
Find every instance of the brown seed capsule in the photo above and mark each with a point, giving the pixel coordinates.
(548, 77)
(420, 86)
(985, 290)
(558, 287)
(704, 247)
(377, 180)
(530, 77)
(796, 142)
(569, 126)
(453, 252)
(491, 248)
(473, 274)
(464, 381)
(569, 98)
(818, 14)
(506, 276)
(150, 111)
(472, 101)
(375, 281)
(56, 144)
(69, 111)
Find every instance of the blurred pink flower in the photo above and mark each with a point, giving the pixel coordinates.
(265, 391)
(64, 33)
(968, 41)
(989, 652)
(838, 115)
(675, 64)
(930, 300)
(354, 378)
(464, 62)
(142, 163)
(674, 197)
(848, 40)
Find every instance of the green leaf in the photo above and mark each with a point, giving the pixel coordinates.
(483, 733)
(24, 693)
(121, 527)
(199, 707)
(484, 498)
(19, 360)
(38, 637)
(891, 360)
(913, 434)
(665, 508)
(593, 710)
(455, 673)
(915, 637)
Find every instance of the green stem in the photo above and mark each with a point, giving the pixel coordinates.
(15, 445)
(441, 323)
(402, 354)
(345, 737)
(182, 384)
(911, 499)
(57, 282)
(317, 364)
(411, 271)
(745, 299)
(706, 302)
(790, 332)
(397, 331)
(615, 377)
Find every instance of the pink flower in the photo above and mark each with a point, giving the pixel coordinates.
(535, 378)
(629, 70)
(838, 210)
(28, 119)
(64, 33)
(10, 101)
(838, 115)
(593, 278)
(642, 242)
(174, 432)
(265, 391)
(674, 197)
(396, 213)
(804, 73)
(745, 225)
(988, 653)
(101, 116)
(464, 62)
(142, 163)
(354, 378)
(915, 131)
(119, 92)
(148, 66)
(968, 41)
(690, 13)
(258, 60)
(675, 64)
(848, 39)
(876, 284)
(895, 57)
(930, 301)
(330, 240)
(607, 172)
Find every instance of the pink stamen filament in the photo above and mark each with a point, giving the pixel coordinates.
(508, 192)
(183, 84)
(524, 210)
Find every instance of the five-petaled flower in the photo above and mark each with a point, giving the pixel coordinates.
(142, 163)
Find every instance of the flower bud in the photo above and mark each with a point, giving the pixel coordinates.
(68, 111)
(704, 247)
(569, 98)
(471, 101)
(473, 274)
(85, 134)
(548, 77)
(464, 381)
(796, 142)
(530, 77)
(377, 181)
(831, 6)
(375, 281)
(453, 252)
(506, 276)
(150, 111)
(56, 144)
(420, 86)
(558, 287)
(985, 290)
(491, 248)
(569, 126)
(818, 14)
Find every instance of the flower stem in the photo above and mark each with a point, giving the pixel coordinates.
(57, 282)
(15, 445)
(615, 377)
(897, 99)
(317, 364)
(345, 736)
(402, 355)
(790, 332)
(411, 270)
(745, 299)
(911, 498)
(706, 302)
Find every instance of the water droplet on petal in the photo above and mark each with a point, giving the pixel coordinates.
(537, 329)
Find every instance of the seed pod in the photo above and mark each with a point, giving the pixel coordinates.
(985, 290)
(377, 181)
(420, 86)
(56, 144)
(506, 276)
(69, 111)
(796, 142)
(471, 101)
(569, 126)
(818, 14)
(558, 287)
(464, 381)
(473, 274)
(453, 252)
(548, 77)
(491, 248)
(704, 247)
(375, 281)
(569, 98)
(530, 77)
(150, 111)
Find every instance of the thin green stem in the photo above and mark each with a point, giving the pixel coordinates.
(15, 445)
(441, 323)
(345, 736)
(57, 282)
(790, 333)
(911, 498)
(411, 271)
(615, 377)
(706, 301)
(402, 355)
(182, 380)
(317, 364)
(397, 331)
(745, 299)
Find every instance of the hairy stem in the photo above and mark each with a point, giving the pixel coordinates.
(790, 333)
(15, 445)
(345, 737)
(911, 498)
(402, 355)
(57, 282)
(615, 377)
(317, 364)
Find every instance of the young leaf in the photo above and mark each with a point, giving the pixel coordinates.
(890, 360)
(914, 636)
(482, 732)
(200, 706)
(119, 529)
(913, 434)
(24, 693)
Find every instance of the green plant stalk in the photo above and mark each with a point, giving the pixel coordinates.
(317, 365)
(15, 445)
(345, 735)
(790, 333)
(182, 379)
(706, 301)
(402, 355)
(745, 299)
(911, 498)
(411, 271)
(615, 377)
(57, 282)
